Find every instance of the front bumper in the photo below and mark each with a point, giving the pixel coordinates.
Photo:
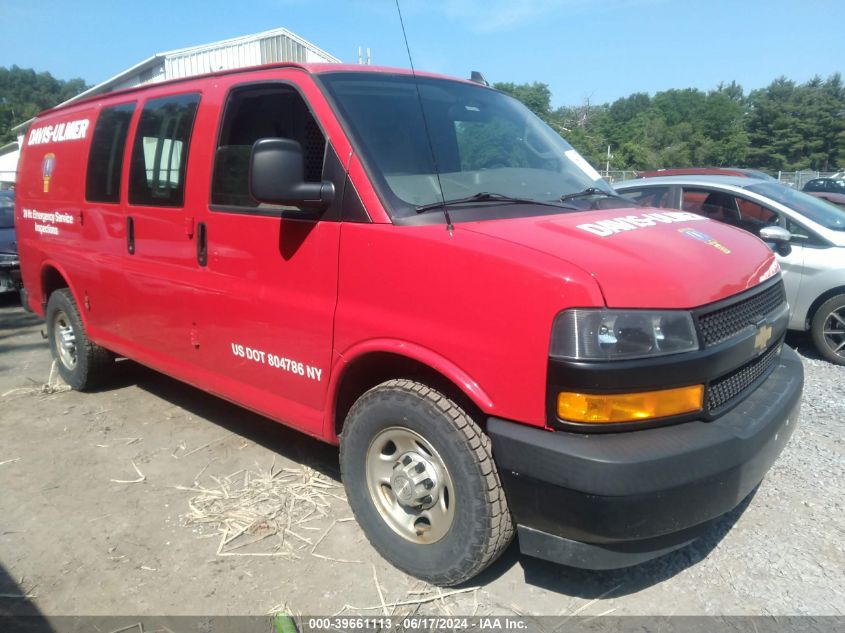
(602, 501)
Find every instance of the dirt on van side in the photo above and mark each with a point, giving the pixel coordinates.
(150, 497)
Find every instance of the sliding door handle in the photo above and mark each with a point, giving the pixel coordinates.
(130, 235)
(202, 244)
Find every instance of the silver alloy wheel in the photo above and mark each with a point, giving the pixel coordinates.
(834, 331)
(410, 485)
(64, 339)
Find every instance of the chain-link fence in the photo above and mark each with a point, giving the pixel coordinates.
(798, 179)
(618, 175)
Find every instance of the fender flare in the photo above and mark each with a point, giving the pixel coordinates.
(411, 351)
(49, 263)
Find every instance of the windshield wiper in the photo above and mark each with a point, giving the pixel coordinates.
(594, 191)
(486, 196)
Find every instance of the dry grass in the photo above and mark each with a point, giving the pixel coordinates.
(54, 384)
(290, 513)
(265, 513)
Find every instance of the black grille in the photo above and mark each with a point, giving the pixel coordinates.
(723, 323)
(733, 385)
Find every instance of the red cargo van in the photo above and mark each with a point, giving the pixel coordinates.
(417, 269)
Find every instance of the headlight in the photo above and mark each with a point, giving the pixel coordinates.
(596, 334)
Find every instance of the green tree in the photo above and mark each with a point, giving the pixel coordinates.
(782, 126)
(793, 126)
(24, 93)
(536, 96)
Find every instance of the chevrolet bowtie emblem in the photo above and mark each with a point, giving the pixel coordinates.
(764, 334)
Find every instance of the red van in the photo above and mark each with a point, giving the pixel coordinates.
(418, 269)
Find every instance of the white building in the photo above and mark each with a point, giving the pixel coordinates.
(278, 45)
(8, 163)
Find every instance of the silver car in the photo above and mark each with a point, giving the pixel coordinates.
(814, 269)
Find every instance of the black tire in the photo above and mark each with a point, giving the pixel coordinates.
(480, 527)
(829, 318)
(92, 362)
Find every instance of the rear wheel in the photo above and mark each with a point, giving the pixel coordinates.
(82, 364)
(421, 481)
(828, 329)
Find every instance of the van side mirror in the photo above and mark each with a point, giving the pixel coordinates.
(777, 238)
(277, 176)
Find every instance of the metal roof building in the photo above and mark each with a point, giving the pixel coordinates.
(277, 45)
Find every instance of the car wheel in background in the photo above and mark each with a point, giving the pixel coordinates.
(828, 329)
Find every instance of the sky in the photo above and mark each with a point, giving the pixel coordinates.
(599, 50)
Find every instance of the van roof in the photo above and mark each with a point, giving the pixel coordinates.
(314, 69)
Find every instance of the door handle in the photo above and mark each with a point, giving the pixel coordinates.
(202, 244)
(130, 235)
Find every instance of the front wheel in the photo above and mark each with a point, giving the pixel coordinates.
(828, 329)
(420, 478)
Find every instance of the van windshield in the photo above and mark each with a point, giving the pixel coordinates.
(818, 210)
(483, 142)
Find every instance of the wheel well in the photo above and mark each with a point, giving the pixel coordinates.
(375, 368)
(51, 280)
(820, 300)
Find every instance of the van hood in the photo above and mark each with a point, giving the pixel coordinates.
(645, 257)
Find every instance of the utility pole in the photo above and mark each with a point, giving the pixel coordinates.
(607, 166)
(369, 59)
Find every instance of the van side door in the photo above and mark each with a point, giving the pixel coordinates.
(159, 252)
(266, 314)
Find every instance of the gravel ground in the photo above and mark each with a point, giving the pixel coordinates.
(115, 503)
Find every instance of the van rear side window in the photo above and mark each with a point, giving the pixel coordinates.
(105, 160)
(160, 151)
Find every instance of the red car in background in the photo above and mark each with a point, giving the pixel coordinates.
(830, 189)
(706, 171)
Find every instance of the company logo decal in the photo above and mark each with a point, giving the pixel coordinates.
(70, 131)
(47, 167)
(764, 335)
(703, 237)
(606, 228)
(47, 223)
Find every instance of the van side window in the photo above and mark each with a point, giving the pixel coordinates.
(254, 112)
(160, 152)
(105, 160)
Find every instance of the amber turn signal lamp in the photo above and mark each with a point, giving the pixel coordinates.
(629, 407)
